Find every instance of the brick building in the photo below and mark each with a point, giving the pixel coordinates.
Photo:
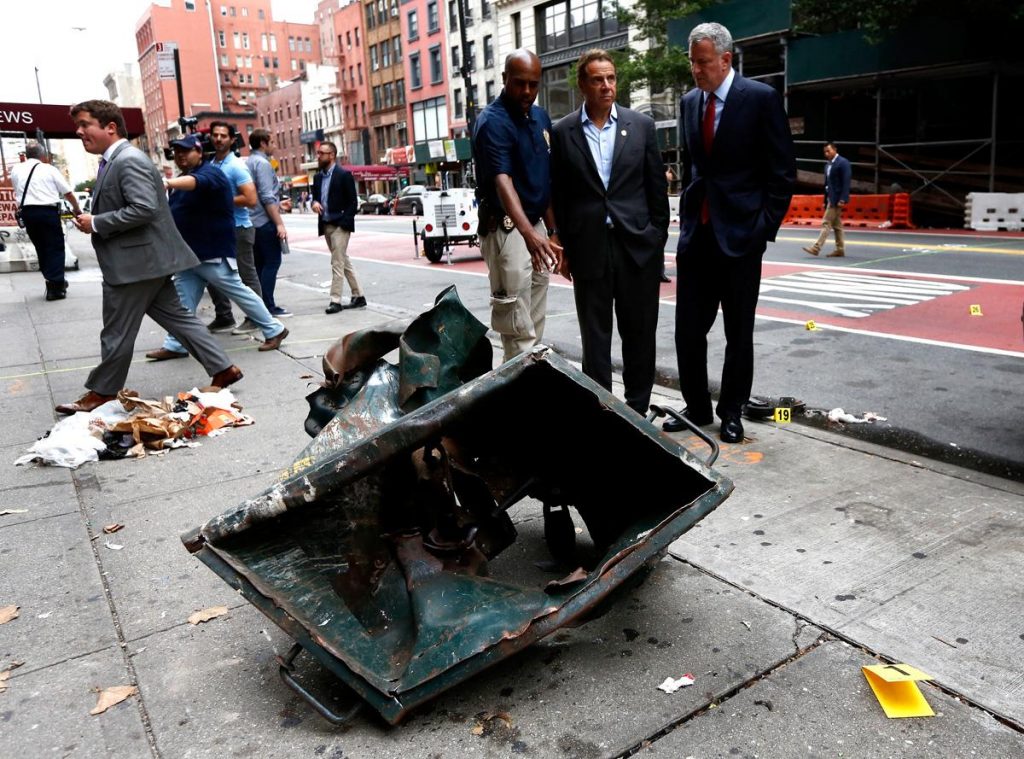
(386, 77)
(231, 52)
(426, 70)
(280, 113)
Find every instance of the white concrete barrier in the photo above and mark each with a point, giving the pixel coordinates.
(18, 254)
(994, 210)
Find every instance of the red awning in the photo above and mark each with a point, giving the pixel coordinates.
(55, 120)
(378, 172)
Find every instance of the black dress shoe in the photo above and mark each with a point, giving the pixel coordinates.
(333, 308)
(56, 290)
(674, 425)
(732, 430)
(357, 302)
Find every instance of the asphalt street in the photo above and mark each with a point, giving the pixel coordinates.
(897, 330)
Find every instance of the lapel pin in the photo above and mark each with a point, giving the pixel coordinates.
(623, 133)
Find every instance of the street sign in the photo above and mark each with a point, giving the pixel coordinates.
(8, 205)
(165, 60)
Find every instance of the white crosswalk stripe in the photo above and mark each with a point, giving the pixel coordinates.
(854, 295)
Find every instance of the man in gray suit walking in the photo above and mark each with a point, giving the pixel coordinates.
(138, 249)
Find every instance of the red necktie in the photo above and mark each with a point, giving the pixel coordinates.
(709, 139)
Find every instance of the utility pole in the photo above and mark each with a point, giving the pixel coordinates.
(465, 71)
(39, 89)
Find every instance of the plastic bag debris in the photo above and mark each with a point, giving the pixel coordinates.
(134, 426)
(839, 415)
(671, 686)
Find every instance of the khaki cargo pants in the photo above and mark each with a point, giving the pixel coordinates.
(519, 295)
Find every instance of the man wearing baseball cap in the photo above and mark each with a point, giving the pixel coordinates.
(202, 203)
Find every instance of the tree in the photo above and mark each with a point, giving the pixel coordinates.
(662, 65)
(85, 186)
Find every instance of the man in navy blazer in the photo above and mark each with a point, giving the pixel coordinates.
(610, 197)
(837, 195)
(738, 175)
(334, 193)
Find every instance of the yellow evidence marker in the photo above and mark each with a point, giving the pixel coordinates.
(812, 327)
(895, 687)
(976, 310)
(783, 415)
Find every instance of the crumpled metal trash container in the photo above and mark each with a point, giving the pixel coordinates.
(387, 551)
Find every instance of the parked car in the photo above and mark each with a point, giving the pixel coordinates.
(376, 203)
(410, 200)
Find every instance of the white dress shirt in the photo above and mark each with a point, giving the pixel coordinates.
(47, 187)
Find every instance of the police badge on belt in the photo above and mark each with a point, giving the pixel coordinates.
(507, 224)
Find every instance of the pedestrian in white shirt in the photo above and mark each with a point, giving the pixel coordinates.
(38, 188)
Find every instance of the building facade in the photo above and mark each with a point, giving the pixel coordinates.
(280, 113)
(230, 52)
(426, 73)
(386, 77)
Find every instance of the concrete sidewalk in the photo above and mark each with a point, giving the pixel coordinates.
(831, 554)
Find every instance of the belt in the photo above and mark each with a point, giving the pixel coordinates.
(41, 205)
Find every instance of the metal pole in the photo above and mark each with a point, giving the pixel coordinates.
(467, 81)
(878, 138)
(39, 89)
(995, 114)
(177, 81)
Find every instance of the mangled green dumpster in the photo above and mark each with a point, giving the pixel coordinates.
(389, 550)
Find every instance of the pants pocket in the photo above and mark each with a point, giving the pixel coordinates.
(507, 317)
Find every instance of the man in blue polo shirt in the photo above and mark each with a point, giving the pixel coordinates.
(511, 145)
(223, 137)
(202, 203)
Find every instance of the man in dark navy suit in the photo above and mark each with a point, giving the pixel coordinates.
(738, 175)
(334, 193)
(837, 195)
(610, 196)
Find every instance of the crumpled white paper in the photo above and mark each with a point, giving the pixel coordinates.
(671, 686)
(76, 439)
(839, 415)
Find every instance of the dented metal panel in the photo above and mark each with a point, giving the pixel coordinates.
(387, 549)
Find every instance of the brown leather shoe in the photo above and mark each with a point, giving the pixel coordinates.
(812, 251)
(835, 254)
(88, 402)
(273, 343)
(226, 377)
(165, 355)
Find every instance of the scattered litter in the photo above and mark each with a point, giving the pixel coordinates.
(486, 722)
(207, 614)
(112, 528)
(44, 615)
(895, 687)
(305, 376)
(671, 686)
(745, 624)
(112, 546)
(7, 613)
(108, 697)
(5, 512)
(4, 674)
(131, 426)
(839, 415)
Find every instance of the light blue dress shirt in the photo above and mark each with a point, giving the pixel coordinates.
(601, 142)
(721, 93)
